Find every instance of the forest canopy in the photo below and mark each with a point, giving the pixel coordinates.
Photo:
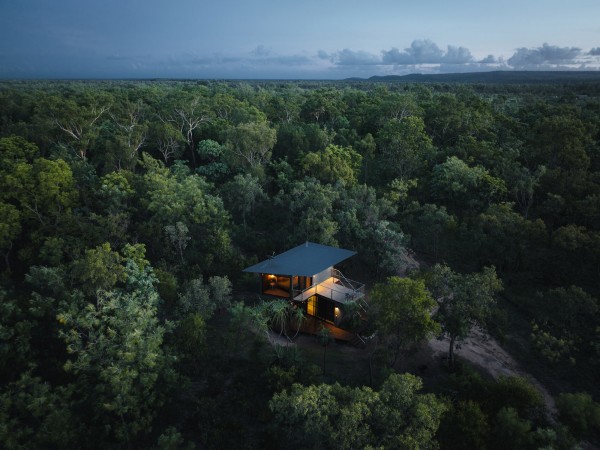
(129, 208)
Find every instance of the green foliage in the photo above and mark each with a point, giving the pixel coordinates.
(272, 165)
(212, 155)
(575, 244)
(178, 237)
(167, 287)
(488, 413)
(464, 301)
(459, 184)
(323, 416)
(250, 145)
(170, 200)
(455, 115)
(401, 311)
(579, 412)
(191, 335)
(35, 415)
(220, 289)
(565, 324)
(99, 269)
(430, 227)
(118, 341)
(561, 141)
(519, 394)
(15, 150)
(172, 439)
(308, 206)
(77, 121)
(550, 347)
(333, 164)
(405, 148)
(508, 240)
(10, 225)
(247, 327)
(464, 425)
(167, 139)
(242, 194)
(204, 299)
(16, 330)
(44, 189)
(365, 224)
(509, 427)
(116, 191)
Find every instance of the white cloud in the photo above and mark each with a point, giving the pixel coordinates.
(426, 52)
(349, 57)
(544, 57)
(489, 59)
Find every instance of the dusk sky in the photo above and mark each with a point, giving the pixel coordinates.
(292, 39)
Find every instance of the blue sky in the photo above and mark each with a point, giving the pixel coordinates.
(292, 39)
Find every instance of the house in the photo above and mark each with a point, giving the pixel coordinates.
(306, 275)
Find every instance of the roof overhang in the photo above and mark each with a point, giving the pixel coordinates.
(307, 259)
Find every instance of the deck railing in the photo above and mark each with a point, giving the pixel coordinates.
(350, 284)
(349, 290)
(357, 288)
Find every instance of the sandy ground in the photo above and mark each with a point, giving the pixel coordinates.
(484, 351)
(480, 349)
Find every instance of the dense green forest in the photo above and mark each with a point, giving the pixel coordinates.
(129, 209)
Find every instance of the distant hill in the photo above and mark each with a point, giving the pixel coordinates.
(500, 77)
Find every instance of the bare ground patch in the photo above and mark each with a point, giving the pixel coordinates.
(479, 349)
(484, 351)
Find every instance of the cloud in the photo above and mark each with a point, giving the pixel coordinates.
(257, 63)
(257, 56)
(117, 57)
(295, 60)
(546, 56)
(322, 54)
(489, 59)
(260, 51)
(420, 52)
(422, 56)
(349, 57)
(425, 56)
(457, 55)
(426, 52)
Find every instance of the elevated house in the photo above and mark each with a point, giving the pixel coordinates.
(307, 276)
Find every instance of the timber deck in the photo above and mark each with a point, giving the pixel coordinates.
(332, 289)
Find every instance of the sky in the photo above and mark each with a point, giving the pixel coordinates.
(300, 39)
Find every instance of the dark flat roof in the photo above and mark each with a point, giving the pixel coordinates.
(307, 259)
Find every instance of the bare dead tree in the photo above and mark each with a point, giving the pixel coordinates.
(134, 131)
(188, 118)
(76, 127)
(168, 148)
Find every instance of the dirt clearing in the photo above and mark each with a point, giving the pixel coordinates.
(483, 351)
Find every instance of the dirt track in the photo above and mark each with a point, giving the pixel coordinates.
(485, 352)
(479, 349)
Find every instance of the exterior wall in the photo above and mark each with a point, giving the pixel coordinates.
(322, 308)
(338, 313)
